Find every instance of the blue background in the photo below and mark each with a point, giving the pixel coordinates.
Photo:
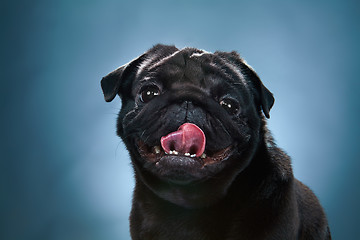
(64, 174)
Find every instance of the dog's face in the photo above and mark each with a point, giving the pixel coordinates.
(190, 119)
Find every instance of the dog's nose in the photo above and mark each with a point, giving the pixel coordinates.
(186, 104)
(194, 113)
(191, 104)
(189, 107)
(187, 94)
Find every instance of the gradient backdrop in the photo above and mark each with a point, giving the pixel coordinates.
(64, 174)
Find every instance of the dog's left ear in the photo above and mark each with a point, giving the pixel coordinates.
(265, 99)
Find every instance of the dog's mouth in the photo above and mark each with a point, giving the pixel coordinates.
(187, 143)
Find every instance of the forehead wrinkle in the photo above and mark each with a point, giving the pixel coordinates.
(209, 63)
(216, 67)
(233, 73)
(162, 61)
(237, 72)
(153, 61)
(148, 61)
(184, 55)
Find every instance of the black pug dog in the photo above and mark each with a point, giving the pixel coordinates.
(205, 164)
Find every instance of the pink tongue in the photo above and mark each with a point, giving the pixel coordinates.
(189, 138)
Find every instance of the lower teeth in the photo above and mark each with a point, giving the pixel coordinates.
(157, 149)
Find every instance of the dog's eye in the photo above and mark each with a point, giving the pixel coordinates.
(149, 93)
(230, 105)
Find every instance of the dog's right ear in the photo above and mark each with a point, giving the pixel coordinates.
(114, 82)
(111, 84)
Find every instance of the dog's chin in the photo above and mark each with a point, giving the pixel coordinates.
(179, 168)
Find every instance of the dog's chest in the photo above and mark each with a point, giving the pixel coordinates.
(164, 224)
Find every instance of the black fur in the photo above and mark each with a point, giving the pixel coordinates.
(244, 188)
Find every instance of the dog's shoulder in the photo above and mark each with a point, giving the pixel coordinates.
(278, 159)
(312, 217)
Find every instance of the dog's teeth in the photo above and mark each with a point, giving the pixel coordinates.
(193, 155)
(187, 154)
(157, 149)
(173, 152)
(203, 155)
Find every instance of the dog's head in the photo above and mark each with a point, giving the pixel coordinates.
(190, 119)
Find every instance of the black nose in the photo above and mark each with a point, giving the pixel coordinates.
(181, 94)
(193, 113)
